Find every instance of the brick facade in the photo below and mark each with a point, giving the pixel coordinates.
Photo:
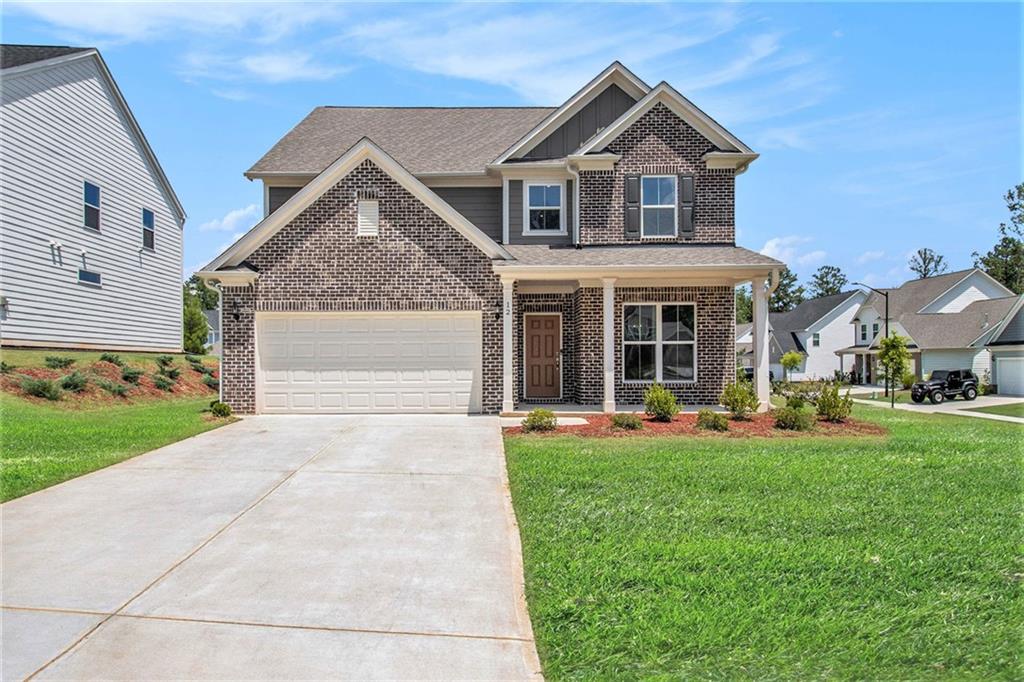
(547, 303)
(659, 142)
(317, 263)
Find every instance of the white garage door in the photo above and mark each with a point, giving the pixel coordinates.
(1010, 375)
(369, 362)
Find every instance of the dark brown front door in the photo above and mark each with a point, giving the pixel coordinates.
(543, 343)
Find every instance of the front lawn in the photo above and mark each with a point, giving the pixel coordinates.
(42, 445)
(1008, 410)
(901, 396)
(867, 558)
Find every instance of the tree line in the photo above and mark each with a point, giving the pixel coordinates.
(1004, 262)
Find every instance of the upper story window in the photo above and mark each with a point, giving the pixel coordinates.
(874, 330)
(658, 206)
(148, 229)
(659, 342)
(863, 332)
(543, 214)
(91, 199)
(90, 277)
(816, 339)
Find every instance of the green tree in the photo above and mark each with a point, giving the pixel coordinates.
(927, 263)
(744, 305)
(894, 358)
(207, 295)
(194, 320)
(1005, 261)
(788, 294)
(828, 280)
(790, 361)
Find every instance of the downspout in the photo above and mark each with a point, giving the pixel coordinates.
(576, 204)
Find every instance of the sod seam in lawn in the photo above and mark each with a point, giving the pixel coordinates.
(874, 558)
(42, 445)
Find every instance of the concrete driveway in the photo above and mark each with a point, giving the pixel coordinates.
(278, 547)
(958, 406)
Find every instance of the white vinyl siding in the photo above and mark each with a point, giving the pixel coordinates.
(979, 361)
(68, 107)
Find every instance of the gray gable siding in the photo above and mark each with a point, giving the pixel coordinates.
(480, 205)
(277, 196)
(1013, 332)
(596, 115)
(515, 217)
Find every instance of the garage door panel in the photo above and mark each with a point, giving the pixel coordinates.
(1010, 376)
(387, 362)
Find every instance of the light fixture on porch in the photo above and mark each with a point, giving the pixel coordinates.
(888, 379)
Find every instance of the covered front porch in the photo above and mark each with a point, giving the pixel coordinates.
(860, 365)
(580, 339)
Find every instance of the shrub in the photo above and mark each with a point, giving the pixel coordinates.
(984, 383)
(796, 401)
(171, 373)
(5, 368)
(74, 382)
(194, 359)
(628, 422)
(164, 360)
(833, 407)
(709, 420)
(808, 390)
(162, 382)
(793, 419)
(540, 420)
(112, 359)
(660, 404)
(211, 382)
(739, 398)
(131, 375)
(58, 362)
(220, 409)
(908, 380)
(113, 388)
(41, 388)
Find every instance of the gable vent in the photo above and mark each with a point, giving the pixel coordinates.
(368, 224)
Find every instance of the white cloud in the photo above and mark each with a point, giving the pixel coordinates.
(267, 67)
(236, 219)
(789, 250)
(812, 258)
(869, 256)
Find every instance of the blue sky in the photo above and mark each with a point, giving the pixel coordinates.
(882, 128)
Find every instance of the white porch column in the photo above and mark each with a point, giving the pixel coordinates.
(507, 289)
(609, 344)
(761, 384)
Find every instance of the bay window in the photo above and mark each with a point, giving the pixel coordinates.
(659, 342)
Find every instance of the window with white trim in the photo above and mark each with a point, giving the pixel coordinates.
(91, 205)
(90, 277)
(543, 211)
(874, 330)
(658, 206)
(816, 339)
(369, 218)
(148, 229)
(863, 332)
(659, 342)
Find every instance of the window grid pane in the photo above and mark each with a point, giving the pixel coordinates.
(147, 218)
(638, 323)
(92, 194)
(148, 238)
(92, 217)
(677, 362)
(544, 219)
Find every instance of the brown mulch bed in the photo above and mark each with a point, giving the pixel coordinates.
(758, 425)
(189, 384)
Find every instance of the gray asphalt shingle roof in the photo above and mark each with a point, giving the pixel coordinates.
(19, 55)
(956, 330)
(422, 139)
(639, 255)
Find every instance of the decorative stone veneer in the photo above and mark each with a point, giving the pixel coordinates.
(317, 264)
(547, 303)
(659, 142)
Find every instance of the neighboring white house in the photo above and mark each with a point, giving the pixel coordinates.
(90, 228)
(947, 319)
(213, 331)
(1007, 348)
(815, 329)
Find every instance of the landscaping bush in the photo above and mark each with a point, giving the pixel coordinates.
(194, 359)
(628, 422)
(112, 359)
(113, 388)
(540, 420)
(709, 420)
(131, 375)
(908, 380)
(796, 401)
(74, 382)
(58, 362)
(162, 382)
(211, 382)
(5, 368)
(985, 386)
(808, 390)
(832, 407)
(793, 419)
(41, 388)
(220, 409)
(739, 398)
(660, 404)
(164, 360)
(171, 373)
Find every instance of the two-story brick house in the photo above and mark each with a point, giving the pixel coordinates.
(480, 259)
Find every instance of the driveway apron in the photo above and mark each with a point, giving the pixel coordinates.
(278, 547)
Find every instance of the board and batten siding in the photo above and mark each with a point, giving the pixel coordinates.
(60, 126)
(583, 125)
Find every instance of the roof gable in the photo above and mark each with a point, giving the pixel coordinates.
(363, 150)
(601, 111)
(809, 312)
(616, 74)
(1010, 330)
(20, 55)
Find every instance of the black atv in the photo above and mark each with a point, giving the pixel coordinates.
(946, 383)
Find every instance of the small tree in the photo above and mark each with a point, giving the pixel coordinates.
(744, 305)
(194, 326)
(927, 263)
(791, 361)
(894, 358)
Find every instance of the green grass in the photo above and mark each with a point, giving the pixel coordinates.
(1008, 410)
(42, 445)
(901, 396)
(879, 558)
(32, 357)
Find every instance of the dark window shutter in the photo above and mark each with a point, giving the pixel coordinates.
(632, 203)
(686, 205)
